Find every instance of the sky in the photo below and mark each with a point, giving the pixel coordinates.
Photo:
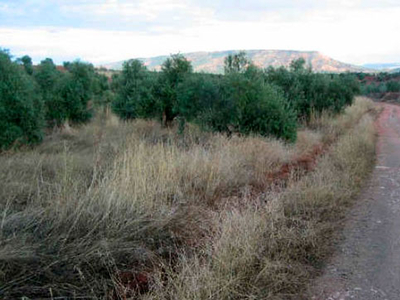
(103, 31)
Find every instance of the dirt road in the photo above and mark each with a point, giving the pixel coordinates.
(367, 263)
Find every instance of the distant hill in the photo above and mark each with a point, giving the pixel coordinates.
(382, 67)
(213, 62)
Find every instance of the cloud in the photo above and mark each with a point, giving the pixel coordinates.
(140, 14)
(103, 31)
(87, 44)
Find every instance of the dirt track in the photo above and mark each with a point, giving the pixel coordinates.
(367, 263)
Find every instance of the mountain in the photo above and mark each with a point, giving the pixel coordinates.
(383, 66)
(213, 62)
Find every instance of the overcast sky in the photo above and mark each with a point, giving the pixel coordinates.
(353, 31)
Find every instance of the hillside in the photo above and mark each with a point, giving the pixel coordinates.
(212, 62)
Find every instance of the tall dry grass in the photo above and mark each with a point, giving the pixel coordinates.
(90, 211)
(271, 250)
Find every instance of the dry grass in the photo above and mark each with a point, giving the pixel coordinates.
(331, 128)
(90, 212)
(271, 250)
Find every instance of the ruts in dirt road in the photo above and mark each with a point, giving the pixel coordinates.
(367, 263)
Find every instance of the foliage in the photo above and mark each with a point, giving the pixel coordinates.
(134, 97)
(236, 63)
(21, 116)
(44, 95)
(342, 89)
(67, 93)
(380, 87)
(308, 92)
(26, 61)
(50, 81)
(241, 103)
(267, 114)
(173, 72)
(373, 88)
(378, 84)
(76, 91)
(298, 65)
(199, 100)
(245, 100)
(259, 107)
(100, 88)
(393, 86)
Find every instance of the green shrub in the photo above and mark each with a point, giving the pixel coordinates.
(292, 87)
(393, 86)
(144, 94)
(342, 89)
(238, 102)
(245, 100)
(197, 94)
(236, 63)
(76, 91)
(67, 93)
(173, 71)
(26, 61)
(101, 89)
(50, 81)
(268, 114)
(309, 92)
(134, 97)
(374, 88)
(259, 107)
(21, 117)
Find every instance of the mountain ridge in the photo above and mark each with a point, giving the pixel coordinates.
(382, 66)
(213, 62)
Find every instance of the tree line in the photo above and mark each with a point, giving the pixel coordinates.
(33, 98)
(378, 84)
(245, 100)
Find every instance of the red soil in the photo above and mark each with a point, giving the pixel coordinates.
(305, 163)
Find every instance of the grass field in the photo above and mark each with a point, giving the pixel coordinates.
(133, 210)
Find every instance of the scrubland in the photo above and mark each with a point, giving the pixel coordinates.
(130, 209)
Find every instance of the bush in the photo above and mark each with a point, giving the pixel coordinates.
(238, 102)
(292, 87)
(21, 117)
(260, 108)
(342, 89)
(76, 91)
(101, 90)
(134, 92)
(236, 63)
(50, 81)
(67, 93)
(197, 95)
(309, 92)
(26, 61)
(393, 86)
(173, 71)
(245, 100)
(144, 94)
(268, 114)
